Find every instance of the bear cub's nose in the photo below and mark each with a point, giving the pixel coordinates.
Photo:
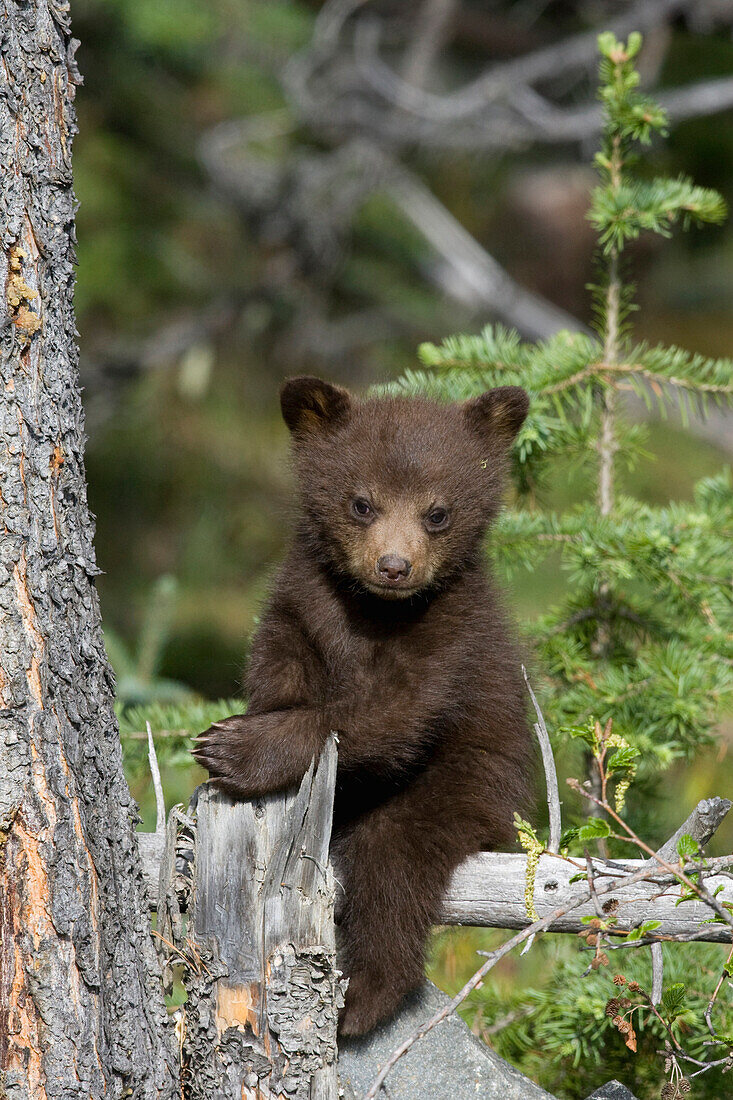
(393, 568)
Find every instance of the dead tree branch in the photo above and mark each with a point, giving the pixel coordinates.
(548, 763)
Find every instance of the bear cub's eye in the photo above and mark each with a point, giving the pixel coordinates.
(361, 508)
(437, 519)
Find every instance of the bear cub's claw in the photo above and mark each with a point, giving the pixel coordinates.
(219, 750)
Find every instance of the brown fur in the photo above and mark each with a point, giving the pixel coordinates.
(417, 673)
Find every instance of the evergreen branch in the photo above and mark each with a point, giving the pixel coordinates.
(622, 213)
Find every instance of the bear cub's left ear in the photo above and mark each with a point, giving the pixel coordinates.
(498, 414)
(312, 405)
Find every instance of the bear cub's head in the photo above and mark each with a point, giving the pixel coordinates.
(397, 492)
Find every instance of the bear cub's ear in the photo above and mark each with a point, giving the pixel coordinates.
(311, 405)
(498, 414)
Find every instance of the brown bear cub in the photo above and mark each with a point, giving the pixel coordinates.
(382, 626)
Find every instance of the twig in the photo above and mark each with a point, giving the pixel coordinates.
(697, 888)
(716, 991)
(657, 972)
(157, 784)
(577, 52)
(431, 29)
(548, 763)
(647, 941)
(475, 275)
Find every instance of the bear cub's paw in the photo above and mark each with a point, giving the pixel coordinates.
(222, 750)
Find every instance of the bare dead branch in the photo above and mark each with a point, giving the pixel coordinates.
(471, 274)
(548, 763)
(697, 888)
(431, 29)
(157, 784)
(657, 972)
(577, 52)
(701, 825)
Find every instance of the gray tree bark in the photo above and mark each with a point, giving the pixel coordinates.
(81, 1008)
(263, 989)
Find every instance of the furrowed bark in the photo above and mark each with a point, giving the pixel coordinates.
(81, 1008)
(263, 990)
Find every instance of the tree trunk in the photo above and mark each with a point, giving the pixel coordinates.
(81, 1008)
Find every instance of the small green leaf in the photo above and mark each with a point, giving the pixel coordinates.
(687, 846)
(585, 733)
(624, 757)
(596, 828)
(673, 999)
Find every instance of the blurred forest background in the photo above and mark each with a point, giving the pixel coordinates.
(271, 187)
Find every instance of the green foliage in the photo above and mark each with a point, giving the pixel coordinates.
(173, 724)
(642, 636)
(597, 827)
(564, 1037)
(137, 669)
(687, 847)
(643, 930)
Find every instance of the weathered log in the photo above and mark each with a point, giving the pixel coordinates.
(81, 1008)
(488, 889)
(263, 990)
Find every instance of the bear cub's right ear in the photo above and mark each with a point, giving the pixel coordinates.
(311, 405)
(498, 414)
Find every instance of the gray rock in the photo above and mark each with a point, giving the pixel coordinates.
(448, 1061)
(614, 1090)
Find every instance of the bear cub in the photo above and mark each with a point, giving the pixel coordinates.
(383, 626)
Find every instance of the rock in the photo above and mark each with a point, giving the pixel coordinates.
(614, 1090)
(448, 1061)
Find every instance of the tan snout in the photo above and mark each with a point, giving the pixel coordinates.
(394, 554)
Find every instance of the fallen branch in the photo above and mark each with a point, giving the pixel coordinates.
(487, 891)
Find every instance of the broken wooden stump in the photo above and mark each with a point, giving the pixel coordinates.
(263, 989)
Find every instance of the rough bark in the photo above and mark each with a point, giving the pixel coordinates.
(81, 1009)
(263, 990)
